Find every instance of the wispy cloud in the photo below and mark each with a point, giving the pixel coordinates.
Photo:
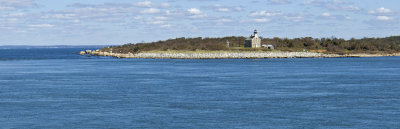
(265, 14)
(42, 26)
(144, 4)
(261, 20)
(16, 4)
(337, 5)
(381, 10)
(195, 13)
(295, 18)
(382, 14)
(151, 11)
(279, 2)
(383, 18)
(224, 8)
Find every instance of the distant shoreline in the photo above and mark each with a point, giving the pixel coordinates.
(227, 55)
(51, 46)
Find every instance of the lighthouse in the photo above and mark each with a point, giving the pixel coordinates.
(253, 41)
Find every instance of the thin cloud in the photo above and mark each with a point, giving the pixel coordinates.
(261, 20)
(279, 2)
(381, 10)
(220, 8)
(265, 14)
(336, 5)
(195, 13)
(144, 4)
(42, 26)
(7, 5)
(383, 18)
(151, 11)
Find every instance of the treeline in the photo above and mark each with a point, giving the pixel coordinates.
(333, 45)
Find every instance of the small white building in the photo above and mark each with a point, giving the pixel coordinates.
(270, 46)
(253, 41)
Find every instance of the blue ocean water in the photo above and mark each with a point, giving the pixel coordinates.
(55, 88)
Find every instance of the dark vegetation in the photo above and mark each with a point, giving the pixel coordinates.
(331, 45)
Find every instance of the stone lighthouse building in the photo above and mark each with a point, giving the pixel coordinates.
(253, 41)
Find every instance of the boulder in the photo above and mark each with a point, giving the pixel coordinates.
(88, 51)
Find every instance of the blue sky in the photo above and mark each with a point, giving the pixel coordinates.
(113, 22)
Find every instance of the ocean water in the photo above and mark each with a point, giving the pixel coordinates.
(55, 88)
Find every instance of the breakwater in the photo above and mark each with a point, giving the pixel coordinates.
(227, 55)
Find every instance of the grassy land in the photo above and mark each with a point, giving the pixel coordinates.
(330, 45)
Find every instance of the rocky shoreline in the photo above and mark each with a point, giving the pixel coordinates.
(227, 55)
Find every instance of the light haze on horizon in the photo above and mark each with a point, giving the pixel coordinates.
(114, 22)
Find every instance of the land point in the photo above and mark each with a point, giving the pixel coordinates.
(254, 46)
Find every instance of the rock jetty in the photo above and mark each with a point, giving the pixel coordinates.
(227, 55)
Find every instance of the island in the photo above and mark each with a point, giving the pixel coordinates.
(254, 46)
